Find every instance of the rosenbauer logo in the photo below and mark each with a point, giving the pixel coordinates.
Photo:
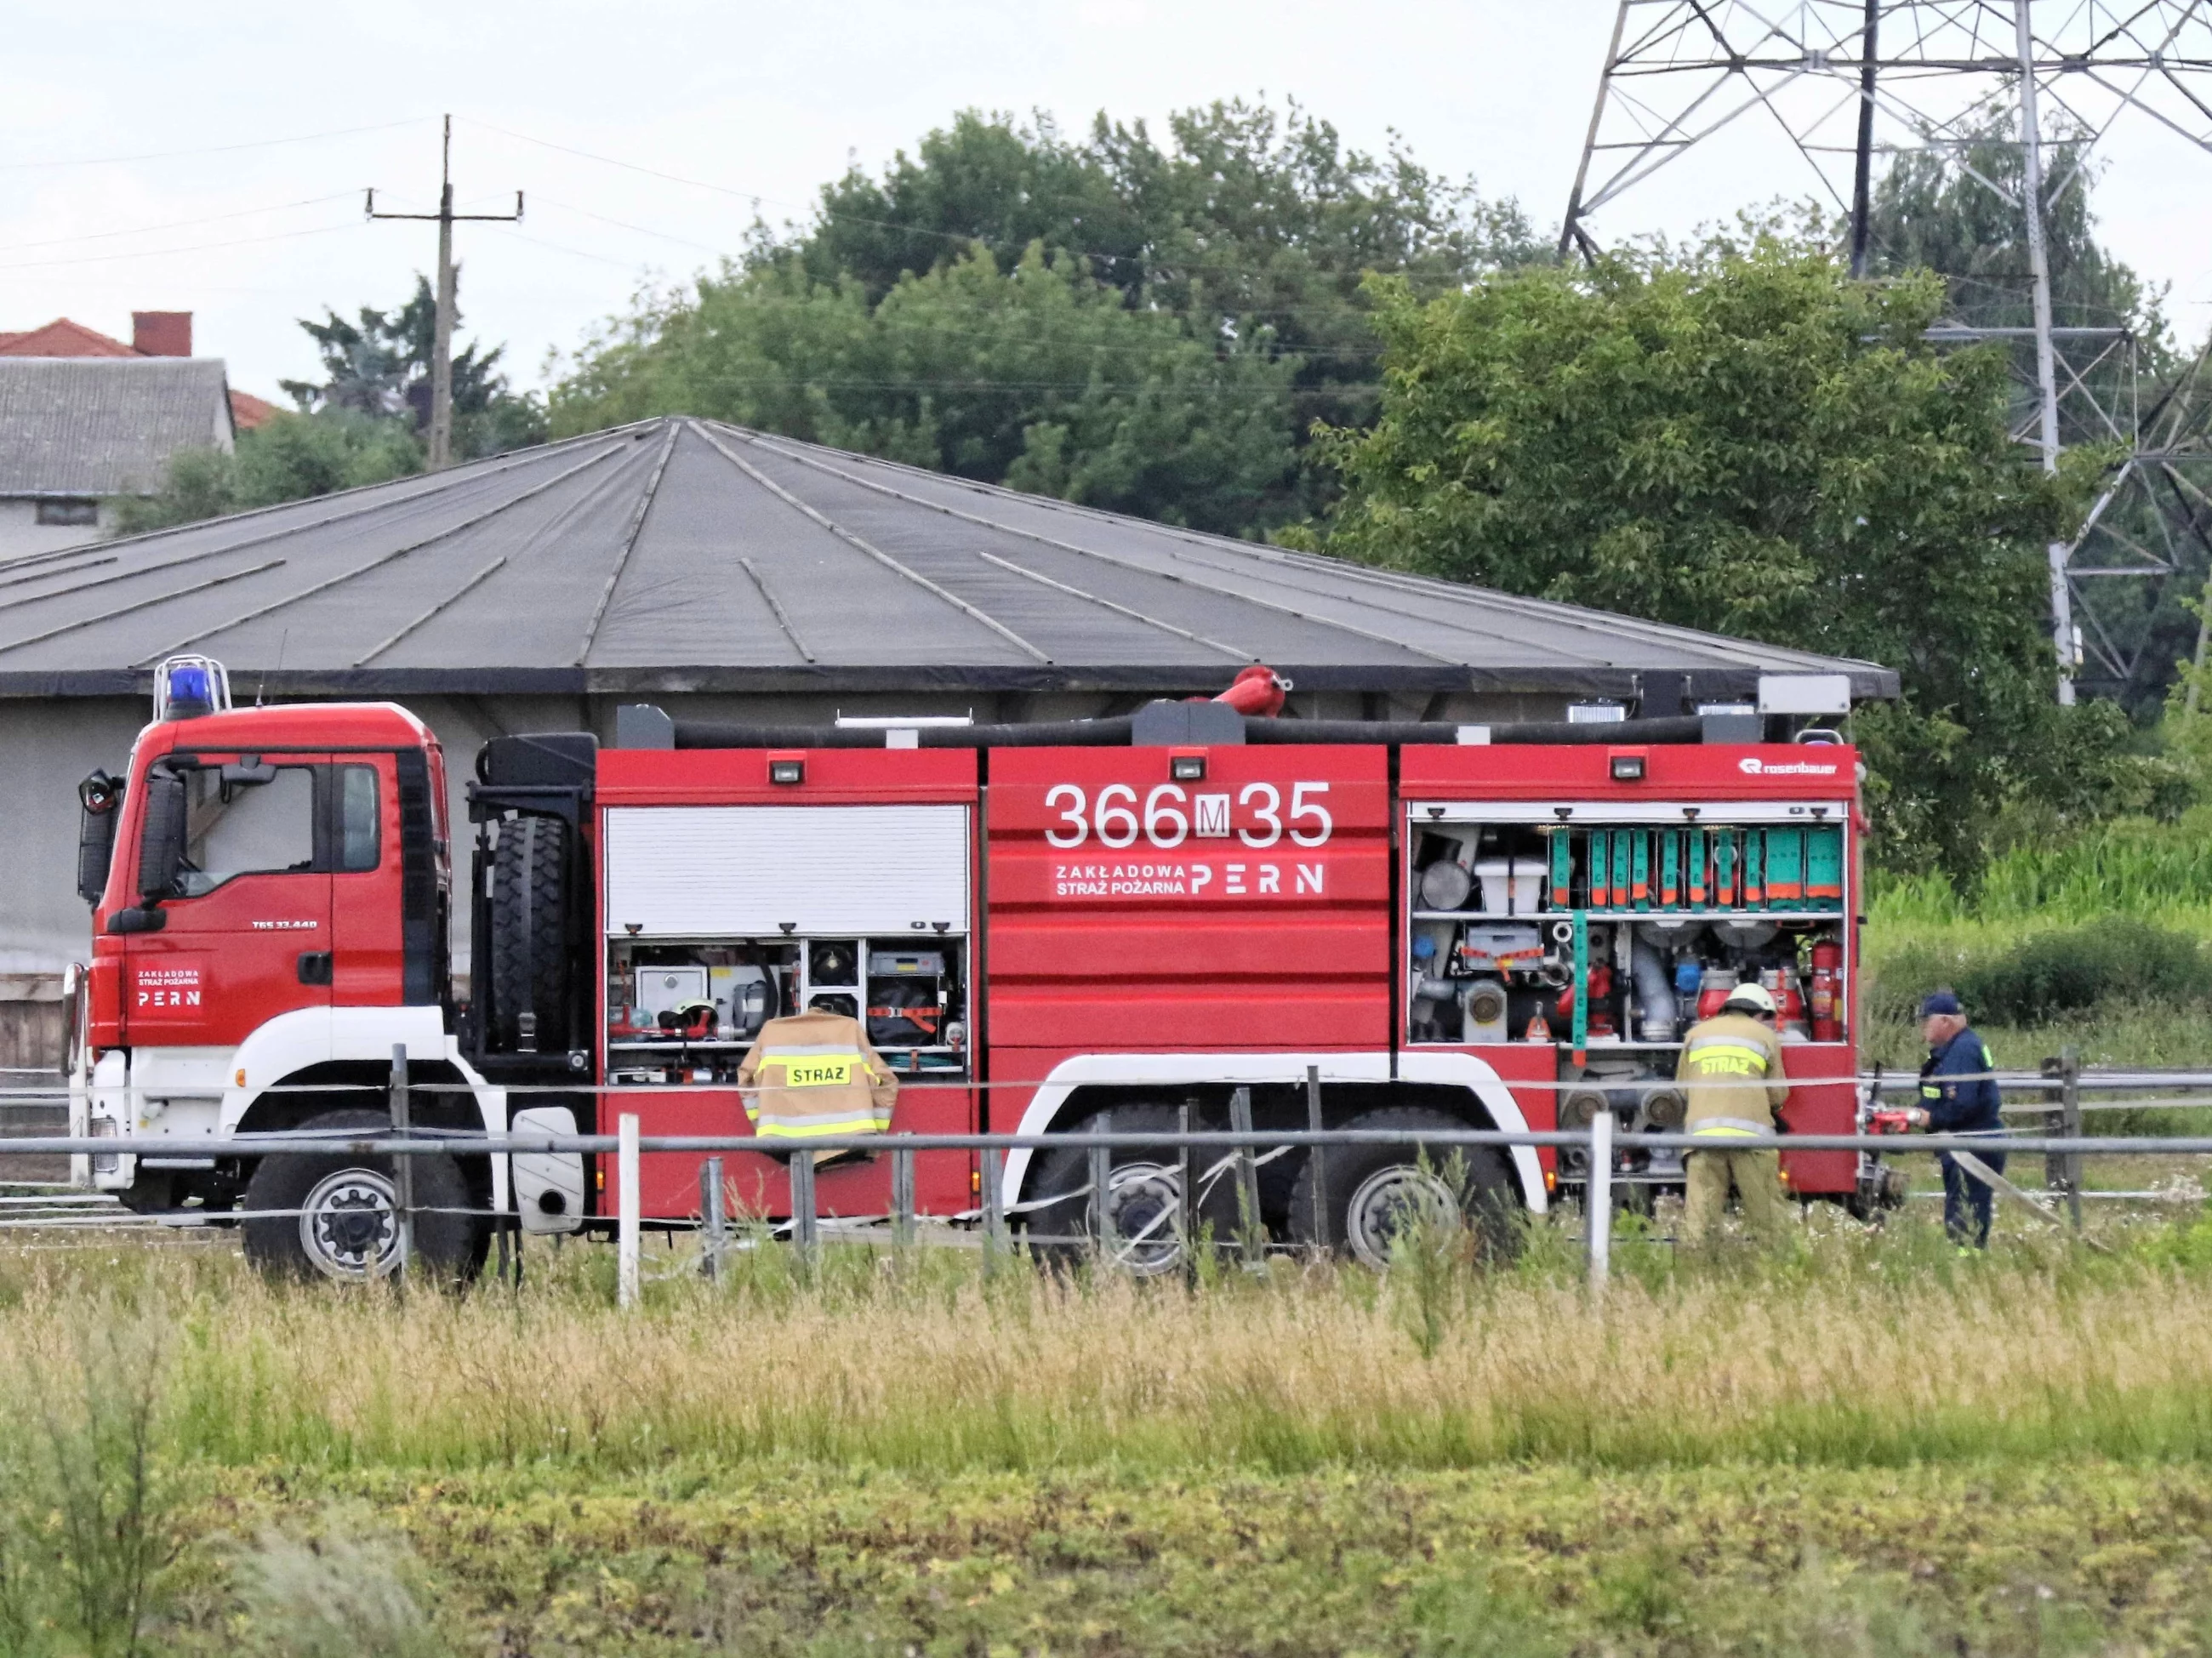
(1756, 767)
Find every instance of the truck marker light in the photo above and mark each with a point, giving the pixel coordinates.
(1187, 767)
(1628, 769)
(786, 771)
(975, 1179)
(242, 1078)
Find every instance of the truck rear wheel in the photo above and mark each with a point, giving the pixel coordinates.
(1141, 1234)
(333, 1215)
(530, 934)
(1375, 1192)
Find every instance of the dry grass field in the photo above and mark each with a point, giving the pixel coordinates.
(1864, 1443)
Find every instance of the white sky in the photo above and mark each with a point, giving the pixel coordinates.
(757, 99)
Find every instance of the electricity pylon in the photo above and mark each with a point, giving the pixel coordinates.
(1841, 82)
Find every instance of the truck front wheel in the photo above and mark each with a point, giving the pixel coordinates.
(1375, 1193)
(334, 1215)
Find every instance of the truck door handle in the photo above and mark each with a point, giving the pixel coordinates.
(315, 967)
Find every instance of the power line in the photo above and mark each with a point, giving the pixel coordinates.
(211, 149)
(809, 383)
(163, 252)
(642, 230)
(177, 224)
(958, 301)
(1146, 256)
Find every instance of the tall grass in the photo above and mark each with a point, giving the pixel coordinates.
(1845, 1350)
(2132, 866)
(2083, 942)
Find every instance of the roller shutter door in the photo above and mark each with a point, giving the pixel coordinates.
(713, 872)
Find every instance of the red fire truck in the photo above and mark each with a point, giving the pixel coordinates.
(1039, 926)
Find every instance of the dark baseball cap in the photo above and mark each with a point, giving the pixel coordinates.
(1943, 1001)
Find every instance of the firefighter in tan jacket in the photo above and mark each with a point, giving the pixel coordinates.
(813, 1074)
(1731, 1066)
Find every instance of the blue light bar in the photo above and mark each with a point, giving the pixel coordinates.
(186, 687)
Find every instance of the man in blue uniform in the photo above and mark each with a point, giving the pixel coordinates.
(1958, 1096)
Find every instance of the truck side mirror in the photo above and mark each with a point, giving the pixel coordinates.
(161, 835)
(99, 795)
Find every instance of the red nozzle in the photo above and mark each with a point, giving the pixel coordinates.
(1256, 692)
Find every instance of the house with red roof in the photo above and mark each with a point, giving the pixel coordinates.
(85, 417)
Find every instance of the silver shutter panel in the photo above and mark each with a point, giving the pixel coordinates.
(715, 871)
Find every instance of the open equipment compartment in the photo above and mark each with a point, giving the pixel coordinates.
(910, 998)
(730, 897)
(1572, 931)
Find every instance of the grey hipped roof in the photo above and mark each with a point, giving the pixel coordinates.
(680, 555)
(103, 426)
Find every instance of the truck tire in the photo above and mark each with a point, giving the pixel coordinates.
(335, 1215)
(1373, 1190)
(530, 934)
(1141, 1236)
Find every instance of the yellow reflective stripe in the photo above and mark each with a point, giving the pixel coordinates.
(795, 1128)
(1726, 1127)
(1722, 1048)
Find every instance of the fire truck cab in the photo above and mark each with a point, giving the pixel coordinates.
(1127, 923)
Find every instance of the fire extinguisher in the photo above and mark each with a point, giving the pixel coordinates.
(1827, 992)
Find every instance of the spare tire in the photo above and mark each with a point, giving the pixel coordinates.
(530, 956)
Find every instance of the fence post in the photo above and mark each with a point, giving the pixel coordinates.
(1250, 1232)
(2069, 1108)
(804, 1232)
(2054, 1121)
(626, 1210)
(1186, 1191)
(1101, 1185)
(1320, 1159)
(1597, 1199)
(713, 1212)
(901, 1196)
(403, 1167)
(994, 1206)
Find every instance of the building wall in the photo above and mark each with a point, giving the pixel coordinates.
(20, 531)
(46, 747)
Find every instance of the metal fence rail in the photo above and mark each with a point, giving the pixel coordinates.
(1600, 1143)
(1235, 1152)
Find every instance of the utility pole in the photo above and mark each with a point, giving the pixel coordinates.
(2047, 367)
(441, 339)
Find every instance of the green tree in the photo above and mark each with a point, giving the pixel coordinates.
(1038, 376)
(361, 423)
(1149, 329)
(1940, 210)
(1744, 441)
(289, 458)
(380, 365)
